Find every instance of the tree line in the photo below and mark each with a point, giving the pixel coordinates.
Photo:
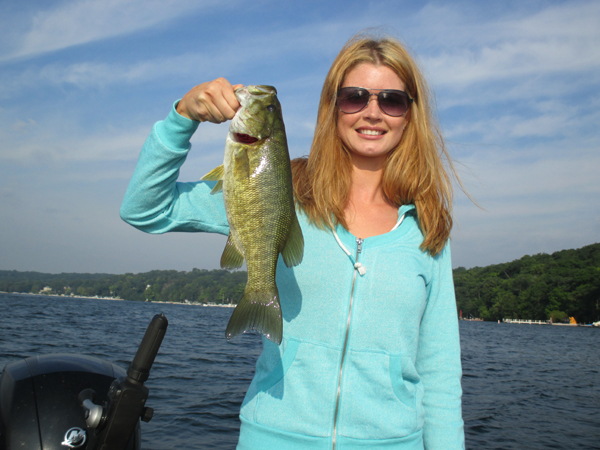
(196, 286)
(539, 287)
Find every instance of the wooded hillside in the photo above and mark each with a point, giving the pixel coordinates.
(563, 284)
(202, 286)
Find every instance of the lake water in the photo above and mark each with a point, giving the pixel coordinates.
(526, 387)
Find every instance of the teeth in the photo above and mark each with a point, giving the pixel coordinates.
(371, 132)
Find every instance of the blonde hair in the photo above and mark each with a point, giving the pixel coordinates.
(414, 171)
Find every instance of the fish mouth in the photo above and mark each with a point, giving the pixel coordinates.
(239, 131)
(244, 138)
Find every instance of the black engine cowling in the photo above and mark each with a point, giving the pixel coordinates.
(39, 406)
(53, 402)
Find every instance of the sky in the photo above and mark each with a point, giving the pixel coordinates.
(516, 83)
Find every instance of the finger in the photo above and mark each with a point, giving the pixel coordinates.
(231, 99)
(213, 113)
(227, 103)
(213, 101)
(218, 110)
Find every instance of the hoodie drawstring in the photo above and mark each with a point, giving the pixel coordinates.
(358, 266)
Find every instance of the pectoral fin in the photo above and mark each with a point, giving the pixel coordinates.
(217, 174)
(217, 188)
(232, 257)
(294, 247)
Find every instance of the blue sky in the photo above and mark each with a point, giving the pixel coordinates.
(517, 86)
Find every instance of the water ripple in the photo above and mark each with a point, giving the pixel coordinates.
(526, 387)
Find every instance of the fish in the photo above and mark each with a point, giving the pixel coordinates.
(256, 181)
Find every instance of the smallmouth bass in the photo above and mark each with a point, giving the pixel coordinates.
(256, 180)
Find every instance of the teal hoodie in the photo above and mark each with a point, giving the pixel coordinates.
(370, 356)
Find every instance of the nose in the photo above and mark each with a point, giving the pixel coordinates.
(372, 108)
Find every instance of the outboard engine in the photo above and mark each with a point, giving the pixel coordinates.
(62, 401)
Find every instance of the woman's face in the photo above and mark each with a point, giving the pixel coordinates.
(371, 134)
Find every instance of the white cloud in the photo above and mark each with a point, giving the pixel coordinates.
(523, 84)
(555, 126)
(242, 54)
(79, 22)
(539, 198)
(561, 39)
(527, 207)
(511, 189)
(34, 145)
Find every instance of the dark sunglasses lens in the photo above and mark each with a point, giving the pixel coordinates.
(352, 100)
(393, 103)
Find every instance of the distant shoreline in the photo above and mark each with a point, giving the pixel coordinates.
(227, 305)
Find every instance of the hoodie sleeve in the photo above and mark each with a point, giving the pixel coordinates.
(155, 202)
(438, 360)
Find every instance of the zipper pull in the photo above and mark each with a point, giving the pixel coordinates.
(358, 266)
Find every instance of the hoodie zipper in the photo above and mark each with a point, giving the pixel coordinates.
(359, 242)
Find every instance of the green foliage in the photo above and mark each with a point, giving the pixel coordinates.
(558, 316)
(563, 284)
(534, 287)
(197, 286)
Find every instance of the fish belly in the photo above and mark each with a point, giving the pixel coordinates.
(259, 210)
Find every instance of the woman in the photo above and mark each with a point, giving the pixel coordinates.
(370, 355)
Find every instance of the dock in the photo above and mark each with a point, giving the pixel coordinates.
(529, 322)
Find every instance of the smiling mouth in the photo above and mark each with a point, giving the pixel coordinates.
(244, 138)
(371, 132)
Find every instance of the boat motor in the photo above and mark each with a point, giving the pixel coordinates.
(62, 401)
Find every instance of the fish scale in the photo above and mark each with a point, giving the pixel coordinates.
(256, 181)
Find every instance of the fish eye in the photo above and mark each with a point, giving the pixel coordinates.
(271, 108)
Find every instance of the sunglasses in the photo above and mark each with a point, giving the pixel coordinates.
(392, 102)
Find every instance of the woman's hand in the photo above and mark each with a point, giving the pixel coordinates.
(213, 101)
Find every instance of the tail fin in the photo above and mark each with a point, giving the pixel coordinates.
(258, 311)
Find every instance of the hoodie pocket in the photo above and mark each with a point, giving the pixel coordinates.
(278, 372)
(381, 397)
(295, 393)
(405, 380)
